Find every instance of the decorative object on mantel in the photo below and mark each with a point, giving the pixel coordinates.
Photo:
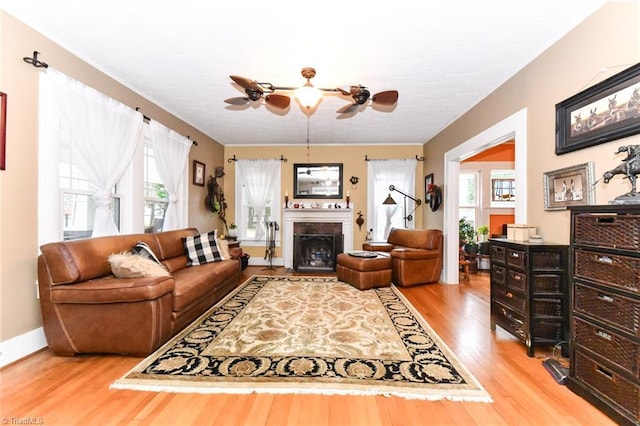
(360, 220)
(630, 167)
(348, 199)
(286, 199)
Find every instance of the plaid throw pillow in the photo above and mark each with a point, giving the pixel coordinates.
(201, 249)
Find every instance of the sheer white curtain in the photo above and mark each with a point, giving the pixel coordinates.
(382, 173)
(171, 151)
(105, 133)
(258, 178)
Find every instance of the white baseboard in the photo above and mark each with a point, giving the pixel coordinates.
(20, 346)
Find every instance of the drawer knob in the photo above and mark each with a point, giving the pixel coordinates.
(604, 298)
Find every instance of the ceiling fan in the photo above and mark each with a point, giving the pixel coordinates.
(256, 90)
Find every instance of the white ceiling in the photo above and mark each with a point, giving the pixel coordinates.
(442, 56)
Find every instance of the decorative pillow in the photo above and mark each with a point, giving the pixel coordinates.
(223, 248)
(129, 265)
(201, 249)
(143, 249)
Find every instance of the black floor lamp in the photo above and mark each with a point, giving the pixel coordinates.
(390, 200)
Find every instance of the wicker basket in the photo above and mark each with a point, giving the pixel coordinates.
(546, 284)
(548, 307)
(620, 231)
(517, 280)
(511, 299)
(609, 269)
(498, 253)
(548, 329)
(546, 260)
(622, 312)
(618, 350)
(516, 258)
(610, 385)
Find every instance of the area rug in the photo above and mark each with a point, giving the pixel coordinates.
(313, 335)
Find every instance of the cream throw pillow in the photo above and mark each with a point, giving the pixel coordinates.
(223, 248)
(129, 265)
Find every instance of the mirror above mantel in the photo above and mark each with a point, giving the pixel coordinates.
(317, 180)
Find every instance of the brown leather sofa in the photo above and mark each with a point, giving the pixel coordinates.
(86, 309)
(416, 255)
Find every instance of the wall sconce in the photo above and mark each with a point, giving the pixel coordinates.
(354, 181)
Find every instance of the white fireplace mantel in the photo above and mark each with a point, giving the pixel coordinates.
(291, 216)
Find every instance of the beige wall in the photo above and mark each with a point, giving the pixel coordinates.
(608, 39)
(19, 309)
(354, 164)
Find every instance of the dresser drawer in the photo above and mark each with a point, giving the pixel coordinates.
(605, 230)
(498, 253)
(618, 350)
(546, 260)
(498, 274)
(517, 280)
(609, 269)
(609, 385)
(547, 283)
(547, 328)
(510, 320)
(547, 307)
(516, 258)
(511, 299)
(619, 311)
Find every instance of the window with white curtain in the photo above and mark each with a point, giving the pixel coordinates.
(66, 195)
(382, 174)
(156, 197)
(469, 201)
(257, 199)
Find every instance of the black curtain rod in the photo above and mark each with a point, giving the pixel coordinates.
(147, 119)
(232, 159)
(366, 158)
(35, 61)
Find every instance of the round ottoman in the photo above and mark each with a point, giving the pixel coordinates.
(364, 272)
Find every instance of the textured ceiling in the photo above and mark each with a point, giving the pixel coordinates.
(442, 56)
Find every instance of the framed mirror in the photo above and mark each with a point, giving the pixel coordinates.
(317, 180)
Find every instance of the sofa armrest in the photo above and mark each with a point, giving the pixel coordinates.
(372, 246)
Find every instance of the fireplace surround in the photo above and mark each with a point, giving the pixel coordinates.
(316, 246)
(342, 216)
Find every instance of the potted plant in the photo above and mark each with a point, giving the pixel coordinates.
(483, 232)
(232, 231)
(467, 236)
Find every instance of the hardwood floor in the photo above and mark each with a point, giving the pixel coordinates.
(50, 390)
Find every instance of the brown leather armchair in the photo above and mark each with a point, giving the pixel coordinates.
(416, 255)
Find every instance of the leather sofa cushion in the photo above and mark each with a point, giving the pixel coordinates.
(193, 282)
(414, 254)
(415, 238)
(112, 290)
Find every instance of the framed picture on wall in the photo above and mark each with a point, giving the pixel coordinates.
(198, 173)
(605, 112)
(571, 186)
(428, 180)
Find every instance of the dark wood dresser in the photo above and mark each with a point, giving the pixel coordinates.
(605, 309)
(529, 295)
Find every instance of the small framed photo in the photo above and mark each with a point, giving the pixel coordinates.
(571, 186)
(198, 173)
(428, 180)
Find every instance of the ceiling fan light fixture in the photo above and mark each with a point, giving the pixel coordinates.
(308, 96)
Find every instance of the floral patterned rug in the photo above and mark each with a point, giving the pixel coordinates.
(317, 335)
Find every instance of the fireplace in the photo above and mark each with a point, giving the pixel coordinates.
(340, 219)
(316, 245)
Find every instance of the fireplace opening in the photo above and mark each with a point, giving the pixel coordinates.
(316, 252)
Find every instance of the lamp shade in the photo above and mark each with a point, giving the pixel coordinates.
(389, 200)
(308, 95)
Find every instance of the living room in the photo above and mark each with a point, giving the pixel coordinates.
(588, 54)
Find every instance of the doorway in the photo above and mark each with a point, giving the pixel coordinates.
(513, 127)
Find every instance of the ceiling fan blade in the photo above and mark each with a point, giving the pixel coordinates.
(347, 109)
(245, 83)
(342, 91)
(237, 101)
(389, 97)
(279, 101)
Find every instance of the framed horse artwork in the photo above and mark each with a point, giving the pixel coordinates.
(602, 113)
(570, 186)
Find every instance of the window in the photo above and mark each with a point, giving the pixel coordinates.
(156, 196)
(78, 206)
(503, 188)
(469, 201)
(257, 201)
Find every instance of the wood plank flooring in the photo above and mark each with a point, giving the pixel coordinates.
(50, 390)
